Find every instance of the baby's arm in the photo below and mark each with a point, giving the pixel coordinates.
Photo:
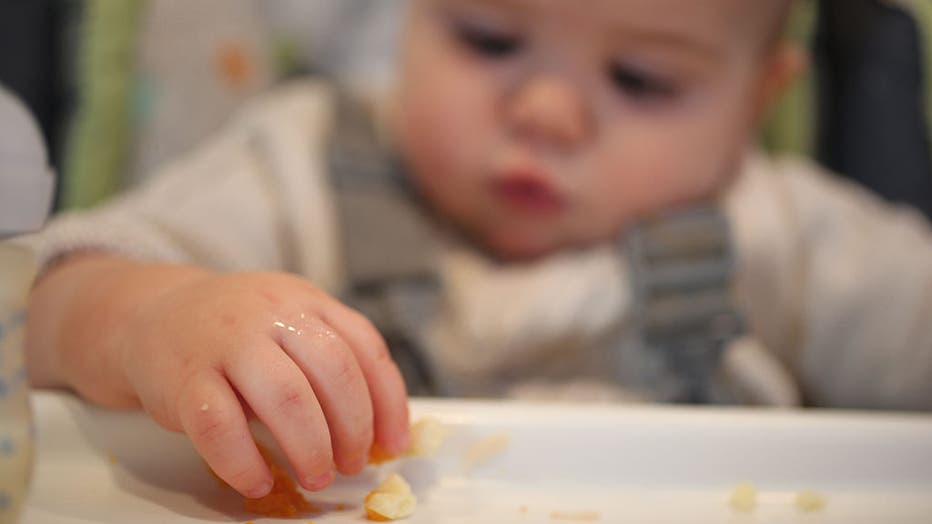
(839, 284)
(199, 351)
(202, 350)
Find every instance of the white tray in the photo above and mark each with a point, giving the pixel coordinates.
(610, 464)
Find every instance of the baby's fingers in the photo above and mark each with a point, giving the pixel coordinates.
(386, 385)
(337, 380)
(281, 397)
(211, 415)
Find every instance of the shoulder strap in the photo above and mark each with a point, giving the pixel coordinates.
(389, 247)
(681, 271)
(385, 231)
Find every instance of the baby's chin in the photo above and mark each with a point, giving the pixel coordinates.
(516, 242)
(526, 248)
(508, 249)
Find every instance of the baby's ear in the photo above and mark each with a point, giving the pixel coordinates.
(783, 64)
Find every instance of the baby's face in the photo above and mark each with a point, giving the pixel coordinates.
(536, 125)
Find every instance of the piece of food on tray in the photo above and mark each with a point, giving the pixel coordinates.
(427, 435)
(744, 498)
(809, 501)
(485, 450)
(284, 501)
(392, 500)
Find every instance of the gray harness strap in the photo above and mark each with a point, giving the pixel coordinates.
(681, 267)
(388, 244)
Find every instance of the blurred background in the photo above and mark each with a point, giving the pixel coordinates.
(121, 86)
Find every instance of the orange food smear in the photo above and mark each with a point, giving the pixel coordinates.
(377, 517)
(284, 500)
(378, 454)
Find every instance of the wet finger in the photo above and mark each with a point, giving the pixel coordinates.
(386, 385)
(211, 415)
(340, 386)
(279, 393)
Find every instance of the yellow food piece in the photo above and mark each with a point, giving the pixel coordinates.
(809, 501)
(392, 500)
(394, 484)
(426, 437)
(744, 498)
(485, 450)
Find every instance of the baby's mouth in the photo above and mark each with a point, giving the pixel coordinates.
(528, 192)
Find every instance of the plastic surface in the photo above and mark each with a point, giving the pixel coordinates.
(515, 462)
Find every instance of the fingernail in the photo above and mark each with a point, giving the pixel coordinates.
(261, 490)
(357, 464)
(321, 481)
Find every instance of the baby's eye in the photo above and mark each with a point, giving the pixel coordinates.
(640, 85)
(487, 42)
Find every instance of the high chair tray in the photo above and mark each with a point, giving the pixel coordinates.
(520, 462)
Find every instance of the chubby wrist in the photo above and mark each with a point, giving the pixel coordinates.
(82, 317)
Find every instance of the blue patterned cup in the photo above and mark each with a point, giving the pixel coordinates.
(17, 269)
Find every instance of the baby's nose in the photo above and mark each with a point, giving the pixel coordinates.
(549, 112)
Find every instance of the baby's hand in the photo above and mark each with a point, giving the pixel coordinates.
(205, 354)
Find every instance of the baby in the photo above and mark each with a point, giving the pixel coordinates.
(475, 222)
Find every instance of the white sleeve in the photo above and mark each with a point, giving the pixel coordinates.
(839, 285)
(252, 198)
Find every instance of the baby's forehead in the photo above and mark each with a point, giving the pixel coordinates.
(724, 18)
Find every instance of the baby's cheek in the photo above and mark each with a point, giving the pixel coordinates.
(639, 190)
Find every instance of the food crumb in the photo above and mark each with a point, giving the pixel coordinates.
(392, 500)
(427, 435)
(522, 509)
(744, 497)
(204, 407)
(112, 458)
(809, 501)
(340, 507)
(576, 516)
(484, 450)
